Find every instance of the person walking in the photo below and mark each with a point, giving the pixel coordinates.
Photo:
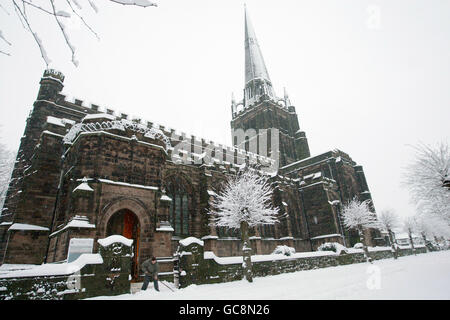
(151, 269)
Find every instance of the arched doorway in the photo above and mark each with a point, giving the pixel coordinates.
(126, 223)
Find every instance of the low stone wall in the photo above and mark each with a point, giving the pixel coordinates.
(104, 273)
(197, 266)
(225, 247)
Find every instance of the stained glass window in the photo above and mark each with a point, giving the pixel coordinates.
(179, 207)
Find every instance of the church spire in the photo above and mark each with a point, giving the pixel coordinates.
(257, 80)
(254, 61)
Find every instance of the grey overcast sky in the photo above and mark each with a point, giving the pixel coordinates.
(366, 77)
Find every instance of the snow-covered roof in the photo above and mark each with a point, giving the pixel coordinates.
(327, 236)
(8, 267)
(77, 222)
(99, 116)
(128, 184)
(61, 122)
(165, 228)
(113, 239)
(209, 237)
(6, 224)
(314, 175)
(83, 187)
(404, 235)
(55, 121)
(28, 227)
(166, 198)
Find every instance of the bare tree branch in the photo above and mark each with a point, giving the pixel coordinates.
(81, 18)
(140, 3)
(23, 14)
(35, 36)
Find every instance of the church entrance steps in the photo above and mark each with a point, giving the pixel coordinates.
(136, 286)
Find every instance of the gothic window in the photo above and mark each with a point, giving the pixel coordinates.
(179, 209)
(295, 227)
(268, 231)
(224, 232)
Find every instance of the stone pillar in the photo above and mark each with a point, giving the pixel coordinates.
(163, 210)
(210, 241)
(287, 240)
(162, 246)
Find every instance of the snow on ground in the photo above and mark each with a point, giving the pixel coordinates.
(425, 276)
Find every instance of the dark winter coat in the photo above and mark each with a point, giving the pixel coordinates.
(149, 268)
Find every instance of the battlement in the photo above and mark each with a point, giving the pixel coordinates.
(193, 145)
(52, 73)
(252, 105)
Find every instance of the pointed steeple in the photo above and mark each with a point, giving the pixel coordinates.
(254, 61)
(257, 80)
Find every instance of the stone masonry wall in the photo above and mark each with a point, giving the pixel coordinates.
(108, 275)
(196, 269)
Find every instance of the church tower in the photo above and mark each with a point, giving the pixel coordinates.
(261, 111)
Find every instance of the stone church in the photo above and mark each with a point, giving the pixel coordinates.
(86, 172)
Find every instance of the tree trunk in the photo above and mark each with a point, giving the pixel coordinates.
(362, 237)
(246, 252)
(393, 246)
(424, 237)
(412, 243)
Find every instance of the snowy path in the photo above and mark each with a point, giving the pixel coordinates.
(425, 276)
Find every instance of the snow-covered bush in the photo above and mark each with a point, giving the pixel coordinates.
(332, 246)
(287, 251)
(426, 177)
(358, 245)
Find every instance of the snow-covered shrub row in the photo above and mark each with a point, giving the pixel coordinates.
(358, 245)
(332, 246)
(287, 251)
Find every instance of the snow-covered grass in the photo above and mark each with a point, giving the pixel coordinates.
(425, 276)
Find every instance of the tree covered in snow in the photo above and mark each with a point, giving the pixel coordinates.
(357, 215)
(423, 226)
(245, 201)
(409, 226)
(431, 227)
(388, 220)
(7, 158)
(428, 179)
(60, 12)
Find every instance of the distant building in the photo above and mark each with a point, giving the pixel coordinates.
(403, 239)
